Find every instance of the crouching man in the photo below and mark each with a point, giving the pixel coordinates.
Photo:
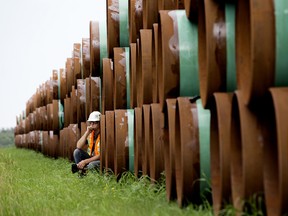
(87, 153)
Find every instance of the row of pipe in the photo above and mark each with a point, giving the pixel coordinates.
(194, 90)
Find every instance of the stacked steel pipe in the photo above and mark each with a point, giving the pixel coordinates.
(191, 90)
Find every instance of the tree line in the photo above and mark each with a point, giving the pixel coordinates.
(6, 137)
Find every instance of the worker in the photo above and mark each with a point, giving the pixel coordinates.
(87, 153)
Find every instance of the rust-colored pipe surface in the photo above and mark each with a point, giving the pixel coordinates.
(50, 143)
(73, 110)
(38, 140)
(56, 116)
(67, 102)
(49, 116)
(95, 94)
(53, 145)
(88, 97)
(76, 65)
(65, 142)
(29, 141)
(81, 101)
(246, 153)
(86, 57)
(169, 74)
(69, 75)
(56, 146)
(38, 122)
(45, 142)
(156, 150)
(33, 120)
(211, 49)
(150, 13)
(61, 143)
(113, 39)
(135, 19)
(139, 82)
(102, 142)
(178, 75)
(63, 85)
(169, 150)
(107, 85)
(138, 142)
(155, 51)
(120, 84)
(133, 72)
(83, 128)
(221, 111)
(94, 31)
(54, 84)
(187, 152)
(159, 67)
(121, 157)
(30, 105)
(166, 4)
(146, 139)
(146, 66)
(191, 8)
(72, 138)
(43, 114)
(255, 48)
(49, 93)
(110, 141)
(275, 152)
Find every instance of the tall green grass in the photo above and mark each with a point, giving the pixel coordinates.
(32, 184)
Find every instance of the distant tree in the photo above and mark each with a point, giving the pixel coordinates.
(6, 137)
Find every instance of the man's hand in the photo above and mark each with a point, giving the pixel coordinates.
(90, 129)
(81, 164)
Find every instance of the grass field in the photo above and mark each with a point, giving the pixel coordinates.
(32, 184)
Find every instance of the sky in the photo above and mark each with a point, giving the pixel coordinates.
(37, 36)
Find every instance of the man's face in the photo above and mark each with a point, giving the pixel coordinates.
(94, 124)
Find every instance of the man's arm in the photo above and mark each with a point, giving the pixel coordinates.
(82, 141)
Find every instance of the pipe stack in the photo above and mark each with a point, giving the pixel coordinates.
(194, 91)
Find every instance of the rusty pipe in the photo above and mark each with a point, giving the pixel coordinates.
(246, 153)
(138, 141)
(95, 94)
(121, 70)
(146, 139)
(179, 70)
(81, 101)
(255, 48)
(107, 86)
(102, 143)
(275, 152)
(121, 157)
(133, 73)
(135, 19)
(155, 50)
(156, 148)
(187, 152)
(110, 141)
(86, 57)
(145, 73)
(169, 150)
(221, 109)
(191, 9)
(150, 13)
(117, 25)
(94, 31)
(216, 31)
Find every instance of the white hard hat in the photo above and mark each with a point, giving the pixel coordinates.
(94, 116)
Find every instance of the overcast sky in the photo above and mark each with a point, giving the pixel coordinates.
(36, 37)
